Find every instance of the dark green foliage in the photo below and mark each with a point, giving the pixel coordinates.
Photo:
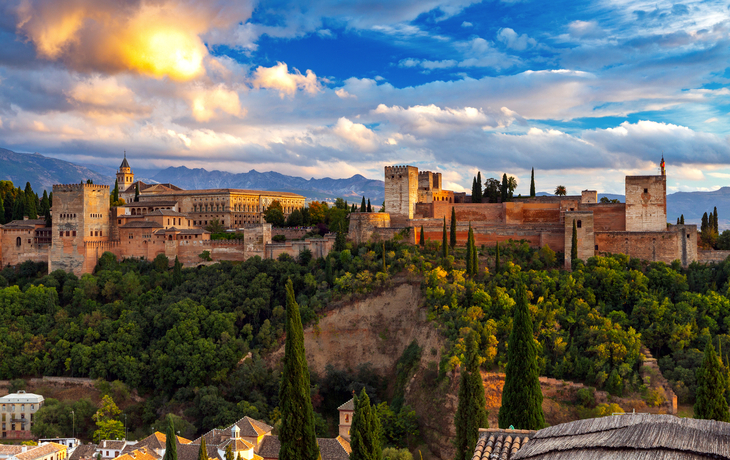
(2, 211)
(136, 192)
(45, 209)
(115, 192)
(712, 379)
(471, 414)
(714, 220)
(615, 384)
(297, 434)
(363, 207)
(203, 451)
(365, 430)
(504, 190)
(19, 206)
(532, 183)
(228, 455)
(474, 255)
(521, 395)
(492, 190)
(681, 219)
(452, 233)
(574, 243)
(340, 241)
(444, 243)
(479, 186)
(496, 258)
(31, 202)
(704, 224)
(469, 257)
(171, 441)
(369, 208)
(385, 267)
(421, 237)
(295, 219)
(177, 273)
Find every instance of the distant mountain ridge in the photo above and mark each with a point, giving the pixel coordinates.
(353, 188)
(43, 172)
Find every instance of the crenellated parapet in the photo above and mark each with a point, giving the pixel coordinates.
(77, 187)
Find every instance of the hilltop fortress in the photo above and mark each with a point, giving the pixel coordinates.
(164, 219)
(637, 227)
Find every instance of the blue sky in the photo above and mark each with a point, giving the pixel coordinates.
(583, 91)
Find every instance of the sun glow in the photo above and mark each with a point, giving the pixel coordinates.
(166, 52)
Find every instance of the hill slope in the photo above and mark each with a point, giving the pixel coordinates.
(42, 172)
(352, 188)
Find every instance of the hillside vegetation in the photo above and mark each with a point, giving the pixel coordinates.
(192, 340)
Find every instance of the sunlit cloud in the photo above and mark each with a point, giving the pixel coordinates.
(279, 78)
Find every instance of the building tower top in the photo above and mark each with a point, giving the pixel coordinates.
(124, 164)
(662, 164)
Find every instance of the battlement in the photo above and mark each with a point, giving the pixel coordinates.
(73, 187)
(224, 242)
(399, 169)
(102, 244)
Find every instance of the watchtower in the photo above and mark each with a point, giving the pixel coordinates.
(646, 203)
(125, 176)
(80, 214)
(584, 232)
(401, 192)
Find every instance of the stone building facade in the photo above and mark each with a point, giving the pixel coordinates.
(16, 414)
(165, 220)
(638, 227)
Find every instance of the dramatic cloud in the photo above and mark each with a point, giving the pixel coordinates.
(279, 78)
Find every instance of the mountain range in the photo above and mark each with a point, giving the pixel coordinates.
(42, 172)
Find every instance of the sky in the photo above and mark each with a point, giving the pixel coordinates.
(585, 92)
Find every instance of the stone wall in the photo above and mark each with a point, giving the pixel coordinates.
(584, 234)
(485, 234)
(712, 256)
(17, 245)
(363, 224)
(651, 246)
(291, 233)
(646, 203)
(607, 216)
(319, 247)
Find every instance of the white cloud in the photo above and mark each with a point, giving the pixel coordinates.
(515, 41)
(343, 94)
(356, 134)
(279, 78)
(467, 24)
(585, 29)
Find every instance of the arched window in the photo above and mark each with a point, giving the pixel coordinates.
(18, 241)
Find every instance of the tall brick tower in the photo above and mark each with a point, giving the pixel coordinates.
(401, 192)
(80, 214)
(646, 203)
(125, 176)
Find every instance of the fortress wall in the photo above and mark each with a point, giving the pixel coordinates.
(652, 246)
(12, 253)
(607, 217)
(706, 257)
(646, 203)
(585, 235)
(538, 213)
(465, 212)
(319, 247)
(364, 224)
(489, 235)
(292, 233)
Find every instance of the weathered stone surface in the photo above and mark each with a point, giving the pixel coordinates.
(646, 203)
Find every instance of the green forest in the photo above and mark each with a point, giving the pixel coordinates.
(192, 341)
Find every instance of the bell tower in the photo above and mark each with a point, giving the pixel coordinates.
(125, 176)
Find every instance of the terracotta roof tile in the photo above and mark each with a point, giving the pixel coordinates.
(40, 451)
(84, 451)
(500, 444)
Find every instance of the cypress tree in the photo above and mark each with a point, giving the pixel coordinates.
(479, 186)
(474, 193)
(444, 243)
(365, 430)
(677, 220)
(681, 219)
(469, 258)
(9, 206)
(471, 414)
(177, 273)
(521, 395)
(2, 211)
(171, 441)
(203, 451)
(714, 220)
(385, 267)
(422, 238)
(136, 192)
(474, 255)
(340, 240)
(362, 205)
(452, 235)
(532, 184)
(31, 207)
(19, 206)
(297, 434)
(504, 189)
(574, 243)
(704, 223)
(370, 208)
(115, 192)
(496, 260)
(328, 272)
(712, 384)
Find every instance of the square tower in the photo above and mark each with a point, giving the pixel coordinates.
(80, 214)
(401, 192)
(125, 175)
(584, 231)
(646, 203)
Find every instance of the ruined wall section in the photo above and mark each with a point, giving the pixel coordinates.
(646, 203)
(80, 213)
(363, 224)
(401, 192)
(589, 196)
(319, 247)
(652, 246)
(585, 235)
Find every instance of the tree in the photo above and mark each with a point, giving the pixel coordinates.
(444, 243)
(492, 190)
(107, 426)
(532, 183)
(363, 207)
(560, 190)
(452, 234)
(215, 226)
(114, 197)
(369, 208)
(496, 259)
(31, 202)
(704, 223)
(228, 453)
(504, 190)
(203, 451)
(474, 192)
(171, 441)
(421, 238)
(714, 220)
(681, 219)
(19, 206)
(2, 211)
(45, 208)
(479, 186)
(295, 219)
(274, 214)
(521, 395)
(365, 430)
(297, 434)
(712, 385)
(340, 241)
(474, 255)
(177, 273)
(574, 243)
(469, 258)
(511, 186)
(385, 267)
(136, 192)
(471, 414)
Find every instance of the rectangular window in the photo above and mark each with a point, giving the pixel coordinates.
(74, 233)
(67, 233)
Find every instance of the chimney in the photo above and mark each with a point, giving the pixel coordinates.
(25, 217)
(24, 449)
